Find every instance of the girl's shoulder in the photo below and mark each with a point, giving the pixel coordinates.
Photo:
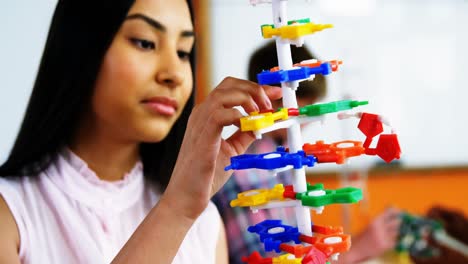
(11, 211)
(10, 238)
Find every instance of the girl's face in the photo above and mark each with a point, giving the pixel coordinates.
(145, 79)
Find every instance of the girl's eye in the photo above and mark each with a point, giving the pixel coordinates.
(185, 56)
(143, 44)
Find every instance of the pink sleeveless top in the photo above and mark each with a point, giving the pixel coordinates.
(68, 215)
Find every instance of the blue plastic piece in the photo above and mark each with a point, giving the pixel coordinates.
(283, 159)
(271, 245)
(267, 77)
(274, 230)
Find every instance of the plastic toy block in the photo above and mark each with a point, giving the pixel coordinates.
(293, 111)
(334, 152)
(256, 121)
(299, 21)
(335, 64)
(329, 245)
(272, 245)
(296, 74)
(327, 230)
(311, 188)
(276, 231)
(290, 22)
(256, 258)
(313, 64)
(287, 259)
(342, 195)
(325, 108)
(314, 256)
(370, 125)
(296, 250)
(271, 161)
(293, 31)
(258, 196)
(302, 73)
(388, 147)
(289, 192)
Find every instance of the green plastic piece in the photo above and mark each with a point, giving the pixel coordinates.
(315, 187)
(301, 21)
(326, 108)
(338, 196)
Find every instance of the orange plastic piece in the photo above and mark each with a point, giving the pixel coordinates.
(333, 152)
(327, 230)
(297, 250)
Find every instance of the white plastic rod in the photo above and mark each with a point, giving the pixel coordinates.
(283, 48)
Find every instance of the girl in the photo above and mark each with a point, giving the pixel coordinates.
(99, 171)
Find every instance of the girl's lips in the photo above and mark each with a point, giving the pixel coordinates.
(162, 105)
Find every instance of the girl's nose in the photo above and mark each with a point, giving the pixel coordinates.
(169, 72)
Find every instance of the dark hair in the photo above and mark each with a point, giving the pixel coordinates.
(264, 58)
(78, 39)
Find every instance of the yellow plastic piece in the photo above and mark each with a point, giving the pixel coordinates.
(256, 121)
(258, 196)
(293, 31)
(281, 114)
(287, 259)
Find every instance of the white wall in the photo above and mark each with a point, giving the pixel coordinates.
(407, 57)
(23, 28)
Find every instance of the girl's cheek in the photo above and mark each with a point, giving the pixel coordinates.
(121, 68)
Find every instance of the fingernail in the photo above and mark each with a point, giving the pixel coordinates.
(268, 103)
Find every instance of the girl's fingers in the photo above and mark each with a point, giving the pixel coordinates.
(260, 94)
(219, 118)
(273, 92)
(240, 141)
(231, 98)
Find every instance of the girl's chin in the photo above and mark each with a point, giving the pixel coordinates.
(154, 137)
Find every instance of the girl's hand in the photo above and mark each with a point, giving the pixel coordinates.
(379, 236)
(199, 170)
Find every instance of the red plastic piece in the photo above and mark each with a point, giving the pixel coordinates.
(314, 256)
(297, 250)
(256, 258)
(289, 192)
(371, 126)
(293, 111)
(334, 64)
(388, 147)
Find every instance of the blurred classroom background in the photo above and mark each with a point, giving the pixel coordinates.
(407, 57)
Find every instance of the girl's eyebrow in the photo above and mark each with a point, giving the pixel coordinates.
(157, 25)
